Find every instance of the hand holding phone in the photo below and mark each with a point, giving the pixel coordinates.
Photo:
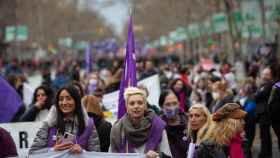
(59, 145)
(68, 138)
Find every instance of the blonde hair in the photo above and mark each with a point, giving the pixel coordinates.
(221, 132)
(202, 131)
(92, 105)
(134, 91)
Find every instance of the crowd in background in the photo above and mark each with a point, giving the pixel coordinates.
(187, 91)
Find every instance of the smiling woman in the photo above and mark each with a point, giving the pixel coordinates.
(140, 130)
(67, 118)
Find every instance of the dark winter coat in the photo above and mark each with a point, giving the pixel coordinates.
(274, 103)
(103, 129)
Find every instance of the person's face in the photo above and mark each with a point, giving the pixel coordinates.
(242, 92)
(200, 84)
(195, 97)
(41, 96)
(170, 101)
(66, 103)
(266, 75)
(136, 106)
(197, 119)
(216, 92)
(149, 65)
(178, 85)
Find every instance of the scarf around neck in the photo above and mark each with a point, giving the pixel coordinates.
(136, 136)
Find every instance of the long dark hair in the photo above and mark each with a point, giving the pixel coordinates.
(73, 91)
(186, 89)
(49, 93)
(163, 96)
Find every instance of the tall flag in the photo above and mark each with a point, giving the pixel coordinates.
(129, 71)
(10, 101)
(88, 59)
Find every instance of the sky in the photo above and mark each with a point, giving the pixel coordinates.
(115, 14)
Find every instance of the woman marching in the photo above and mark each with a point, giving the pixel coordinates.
(224, 137)
(176, 121)
(140, 130)
(199, 122)
(67, 126)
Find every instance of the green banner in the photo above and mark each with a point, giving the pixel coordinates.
(194, 30)
(220, 23)
(81, 45)
(65, 42)
(10, 33)
(22, 33)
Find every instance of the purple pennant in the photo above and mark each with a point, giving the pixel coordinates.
(88, 59)
(129, 73)
(10, 101)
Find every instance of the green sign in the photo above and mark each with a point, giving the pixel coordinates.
(22, 33)
(181, 34)
(238, 19)
(220, 23)
(81, 45)
(163, 41)
(10, 33)
(65, 42)
(13, 33)
(251, 13)
(193, 30)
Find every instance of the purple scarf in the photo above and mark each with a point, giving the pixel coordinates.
(154, 138)
(82, 140)
(182, 99)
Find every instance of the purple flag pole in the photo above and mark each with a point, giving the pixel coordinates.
(10, 101)
(88, 59)
(129, 71)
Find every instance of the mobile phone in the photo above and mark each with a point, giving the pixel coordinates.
(68, 138)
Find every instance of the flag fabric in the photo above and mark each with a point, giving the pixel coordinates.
(88, 59)
(10, 101)
(129, 71)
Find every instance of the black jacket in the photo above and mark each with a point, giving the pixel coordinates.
(30, 114)
(103, 129)
(274, 104)
(210, 150)
(177, 137)
(262, 96)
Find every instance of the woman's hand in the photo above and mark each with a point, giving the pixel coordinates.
(59, 146)
(152, 154)
(39, 104)
(76, 149)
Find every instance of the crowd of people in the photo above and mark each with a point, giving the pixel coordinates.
(202, 112)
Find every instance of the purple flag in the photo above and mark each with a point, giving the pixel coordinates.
(129, 71)
(10, 101)
(88, 59)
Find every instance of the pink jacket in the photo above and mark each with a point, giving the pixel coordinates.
(235, 147)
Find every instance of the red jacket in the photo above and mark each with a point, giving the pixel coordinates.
(235, 147)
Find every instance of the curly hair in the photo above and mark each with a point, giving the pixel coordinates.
(221, 132)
